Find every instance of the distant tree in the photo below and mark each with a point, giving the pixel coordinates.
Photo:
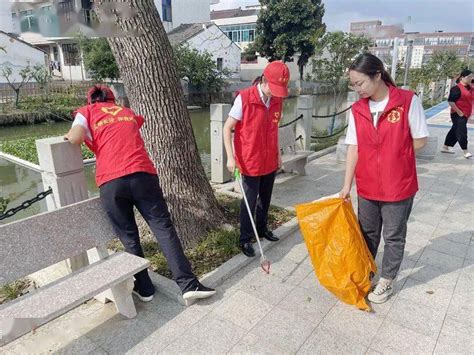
(199, 69)
(443, 65)
(286, 28)
(99, 59)
(26, 74)
(335, 52)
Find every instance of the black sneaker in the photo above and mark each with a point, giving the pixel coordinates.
(141, 296)
(199, 291)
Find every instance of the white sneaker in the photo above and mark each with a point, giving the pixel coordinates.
(448, 150)
(382, 291)
(467, 155)
(141, 297)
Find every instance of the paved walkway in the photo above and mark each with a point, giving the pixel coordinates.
(288, 311)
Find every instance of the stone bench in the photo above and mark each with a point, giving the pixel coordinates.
(293, 159)
(34, 243)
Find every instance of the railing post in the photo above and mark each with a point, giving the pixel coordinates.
(219, 172)
(304, 126)
(63, 171)
(341, 149)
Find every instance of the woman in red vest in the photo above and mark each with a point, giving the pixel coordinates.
(460, 100)
(127, 178)
(386, 126)
(255, 116)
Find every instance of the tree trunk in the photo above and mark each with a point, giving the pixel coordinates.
(147, 68)
(17, 97)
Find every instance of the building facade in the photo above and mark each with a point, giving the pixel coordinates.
(238, 24)
(423, 44)
(52, 25)
(208, 37)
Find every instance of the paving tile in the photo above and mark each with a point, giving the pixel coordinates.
(211, 334)
(268, 288)
(417, 316)
(433, 294)
(392, 338)
(285, 329)
(440, 260)
(243, 309)
(354, 324)
(456, 337)
(327, 341)
(309, 304)
(256, 344)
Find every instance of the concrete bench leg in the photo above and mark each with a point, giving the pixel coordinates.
(122, 294)
(299, 166)
(94, 255)
(12, 328)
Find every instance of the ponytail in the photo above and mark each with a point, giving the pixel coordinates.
(257, 80)
(387, 78)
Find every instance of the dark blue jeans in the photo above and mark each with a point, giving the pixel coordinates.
(258, 190)
(143, 191)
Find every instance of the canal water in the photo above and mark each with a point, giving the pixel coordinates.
(18, 183)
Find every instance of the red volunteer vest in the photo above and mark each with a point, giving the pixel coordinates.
(256, 134)
(116, 141)
(386, 167)
(464, 103)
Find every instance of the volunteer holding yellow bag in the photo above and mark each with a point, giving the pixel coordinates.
(386, 126)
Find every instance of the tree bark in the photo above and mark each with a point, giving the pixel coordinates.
(148, 70)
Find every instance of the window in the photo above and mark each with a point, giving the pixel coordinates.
(240, 33)
(220, 64)
(28, 21)
(71, 54)
(66, 9)
(166, 9)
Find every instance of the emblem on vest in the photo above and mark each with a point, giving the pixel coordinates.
(277, 117)
(113, 110)
(395, 115)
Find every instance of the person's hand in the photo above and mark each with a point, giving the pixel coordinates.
(231, 165)
(66, 136)
(345, 193)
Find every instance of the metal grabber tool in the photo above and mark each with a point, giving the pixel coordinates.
(264, 262)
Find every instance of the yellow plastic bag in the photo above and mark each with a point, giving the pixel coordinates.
(341, 260)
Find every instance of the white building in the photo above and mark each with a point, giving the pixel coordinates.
(18, 56)
(207, 37)
(52, 26)
(176, 12)
(238, 24)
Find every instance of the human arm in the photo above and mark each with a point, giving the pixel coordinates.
(228, 128)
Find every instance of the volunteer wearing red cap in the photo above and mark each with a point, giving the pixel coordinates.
(127, 178)
(255, 116)
(386, 126)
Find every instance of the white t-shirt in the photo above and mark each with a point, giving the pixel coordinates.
(236, 110)
(80, 120)
(416, 119)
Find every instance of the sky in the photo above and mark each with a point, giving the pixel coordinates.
(415, 15)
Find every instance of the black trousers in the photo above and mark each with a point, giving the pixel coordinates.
(458, 132)
(143, 191)
(258, 190)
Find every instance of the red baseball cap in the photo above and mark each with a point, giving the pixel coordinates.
(277, 75)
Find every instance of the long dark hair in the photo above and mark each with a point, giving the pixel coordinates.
(464, 73)
(371, 65)
(257, 80)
